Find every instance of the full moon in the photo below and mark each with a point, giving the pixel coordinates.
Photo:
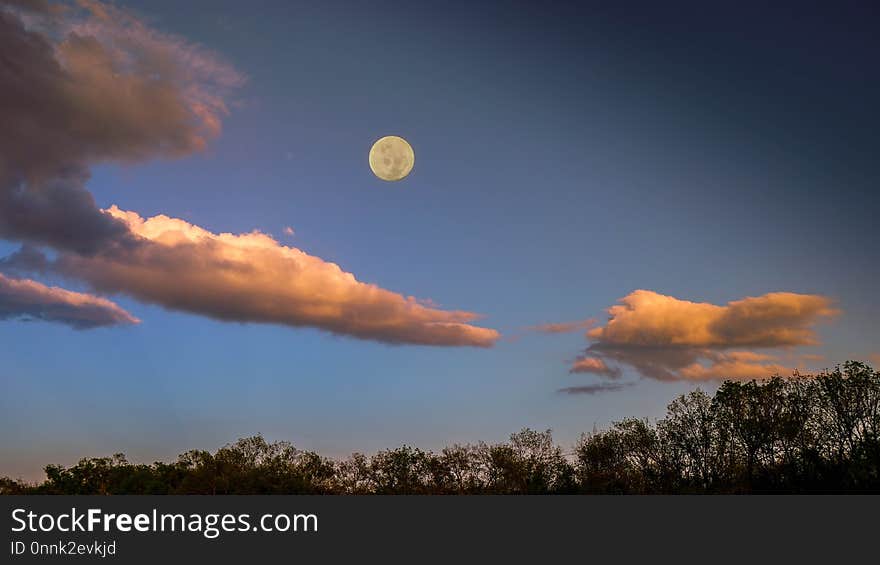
(392, 158)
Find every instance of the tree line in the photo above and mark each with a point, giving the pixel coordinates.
(806, 433)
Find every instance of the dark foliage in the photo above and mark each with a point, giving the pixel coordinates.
(800, 434)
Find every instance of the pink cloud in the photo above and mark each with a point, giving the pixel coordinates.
(595, 366)
(30, 300)
(252, 278)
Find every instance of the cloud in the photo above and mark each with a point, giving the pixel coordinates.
(85, 86)
(31, 300)
(666, 338)
(874, 358)
(289, 231)
(593, 389)
(595, 366)
(91, 83)
(252, 278)
(27, 259)
(736, 365)
(563, 327)
(772, 320)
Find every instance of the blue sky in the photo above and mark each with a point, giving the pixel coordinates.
(565, 157)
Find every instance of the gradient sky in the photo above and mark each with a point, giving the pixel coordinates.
(567, 154)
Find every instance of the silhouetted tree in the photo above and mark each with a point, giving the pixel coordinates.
(801, 434)
(692, 446)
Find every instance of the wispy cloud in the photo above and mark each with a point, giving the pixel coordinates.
(597, 388)
(563, 327)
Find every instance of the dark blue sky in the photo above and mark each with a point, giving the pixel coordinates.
(567, 154)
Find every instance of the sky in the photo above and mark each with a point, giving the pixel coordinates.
(611, 204)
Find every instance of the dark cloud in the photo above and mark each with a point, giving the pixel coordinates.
(57, 211)
(85, 87)
(43, 198)
(27, 260)
(598, 388)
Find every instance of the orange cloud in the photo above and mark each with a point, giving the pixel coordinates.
(31, 300)
(666, 338)
(253, 278)
(776, 319)
(736, 365)
(595, 366)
